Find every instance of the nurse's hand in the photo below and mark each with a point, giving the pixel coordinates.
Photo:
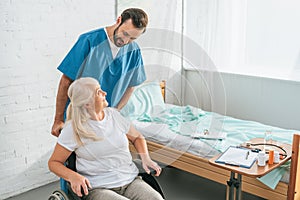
(56, 127)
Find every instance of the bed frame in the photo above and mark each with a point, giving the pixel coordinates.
(201, 167)
(294, 184)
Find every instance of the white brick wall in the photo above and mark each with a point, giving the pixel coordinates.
(35, 37)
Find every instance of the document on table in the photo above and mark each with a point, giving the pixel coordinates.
(210, 135)
(237, 156)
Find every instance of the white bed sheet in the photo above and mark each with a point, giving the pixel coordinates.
(160, 133)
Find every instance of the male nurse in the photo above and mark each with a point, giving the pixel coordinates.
(109, 55)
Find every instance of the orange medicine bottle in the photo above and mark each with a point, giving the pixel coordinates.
(271, 157)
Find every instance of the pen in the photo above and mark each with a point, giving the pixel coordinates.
(232, 164)
(247, 155)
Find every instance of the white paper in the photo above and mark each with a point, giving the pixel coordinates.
(210, 135)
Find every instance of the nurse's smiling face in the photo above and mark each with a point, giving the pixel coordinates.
(126, 33)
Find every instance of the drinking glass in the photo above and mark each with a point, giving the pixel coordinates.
(268, 136)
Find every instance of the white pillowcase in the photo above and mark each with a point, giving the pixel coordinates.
(144, 100)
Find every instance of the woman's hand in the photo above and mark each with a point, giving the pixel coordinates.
(80, 183)
(147, 162)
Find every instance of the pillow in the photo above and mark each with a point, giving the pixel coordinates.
(145, 99)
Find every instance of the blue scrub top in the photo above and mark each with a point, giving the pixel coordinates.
(91, 56)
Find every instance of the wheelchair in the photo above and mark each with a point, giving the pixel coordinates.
(65, 191)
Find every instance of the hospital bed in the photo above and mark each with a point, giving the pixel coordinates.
(176, 137)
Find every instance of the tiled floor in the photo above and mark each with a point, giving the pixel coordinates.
(177, 185)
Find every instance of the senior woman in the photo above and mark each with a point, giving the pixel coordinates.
(99, 137)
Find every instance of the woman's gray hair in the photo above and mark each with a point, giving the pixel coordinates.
(82, 93)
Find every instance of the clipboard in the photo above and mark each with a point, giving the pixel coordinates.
(237, 156)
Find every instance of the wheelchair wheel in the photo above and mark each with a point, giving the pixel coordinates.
(53, 197)
(58, 195)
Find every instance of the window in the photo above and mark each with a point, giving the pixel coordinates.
(254, 37)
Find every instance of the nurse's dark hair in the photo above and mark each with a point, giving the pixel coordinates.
(138, 16)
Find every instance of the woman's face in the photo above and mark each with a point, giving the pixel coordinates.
(100, 100)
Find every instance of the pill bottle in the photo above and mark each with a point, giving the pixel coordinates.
(271, 157)
(276, 157)
(261, 158)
